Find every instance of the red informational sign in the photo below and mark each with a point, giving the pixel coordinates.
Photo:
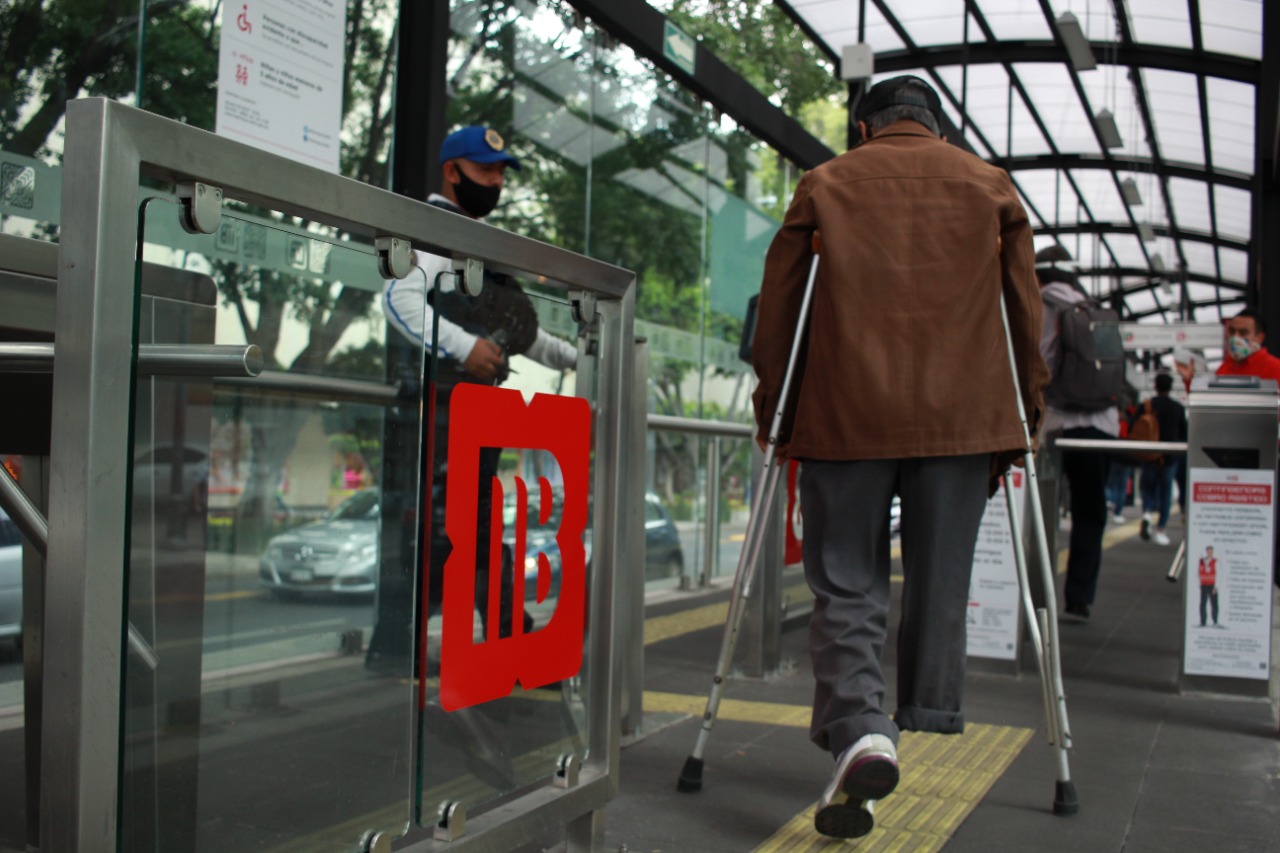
(794, 548)
(1233, 493)
(476, 671)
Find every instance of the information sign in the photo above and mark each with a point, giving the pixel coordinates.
(680, 47)
(1140, 336)
(992, 617)
(1229, 553)
(280, 67)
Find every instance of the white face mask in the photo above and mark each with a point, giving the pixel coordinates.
(1241, 348)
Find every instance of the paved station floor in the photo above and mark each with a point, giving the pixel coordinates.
(1155, 769)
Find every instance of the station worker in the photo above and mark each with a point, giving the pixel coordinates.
(906, 387)
(476, 338)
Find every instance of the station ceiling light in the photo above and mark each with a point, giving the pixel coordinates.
(1107, 129)
(1129, 190)
(1078, 49)
(1146, 232)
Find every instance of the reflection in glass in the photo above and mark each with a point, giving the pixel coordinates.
(261, 565)
(505, 561)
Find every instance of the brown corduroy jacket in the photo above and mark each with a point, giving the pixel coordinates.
(906, 353)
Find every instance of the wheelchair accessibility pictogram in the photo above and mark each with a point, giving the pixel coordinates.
(474, 671)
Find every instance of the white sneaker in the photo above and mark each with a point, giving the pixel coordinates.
(1160, 538)
(1118, 519)
(865, 772)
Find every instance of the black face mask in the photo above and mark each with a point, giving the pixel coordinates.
(476, 199)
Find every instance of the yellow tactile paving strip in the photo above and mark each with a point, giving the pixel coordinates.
(737, 710)
(943, 778)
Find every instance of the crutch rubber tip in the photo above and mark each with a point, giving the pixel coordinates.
(690, 776)
(1065, 803)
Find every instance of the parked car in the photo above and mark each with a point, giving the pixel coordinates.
(540, 538)
(337, 555)
(663, 556)
(10, 579)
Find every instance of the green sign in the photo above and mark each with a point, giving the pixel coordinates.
(680, 47)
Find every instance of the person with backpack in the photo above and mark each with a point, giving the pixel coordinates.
(1158, 469)
(1082, 348)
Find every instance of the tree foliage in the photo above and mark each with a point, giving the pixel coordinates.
(55, 50)
(758, 40)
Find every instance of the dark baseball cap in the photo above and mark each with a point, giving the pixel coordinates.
(478, 144)
(904, 91)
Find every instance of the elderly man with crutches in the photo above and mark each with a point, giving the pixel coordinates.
(905, 385)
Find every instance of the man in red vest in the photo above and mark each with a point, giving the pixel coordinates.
(1208, 586)
(1245, 355)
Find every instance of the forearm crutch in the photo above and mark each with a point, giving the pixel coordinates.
(1042, 624)
(1178, 564)
(748, 561)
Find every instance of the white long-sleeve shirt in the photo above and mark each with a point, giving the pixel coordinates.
(404, 302)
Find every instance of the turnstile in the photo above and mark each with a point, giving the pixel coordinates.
(1229, 599)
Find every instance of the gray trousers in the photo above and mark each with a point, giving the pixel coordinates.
(846, 562)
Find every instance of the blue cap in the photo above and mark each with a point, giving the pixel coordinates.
(477, 144)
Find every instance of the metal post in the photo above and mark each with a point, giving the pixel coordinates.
(93, 386)
(631, 629)
(35, 483)
(711, 514)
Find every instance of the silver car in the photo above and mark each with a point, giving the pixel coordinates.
(337, 555)
(10, 579)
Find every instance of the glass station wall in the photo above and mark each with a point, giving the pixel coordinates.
(624, 165)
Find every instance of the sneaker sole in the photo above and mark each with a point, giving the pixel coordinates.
(873, 778)
(844, 820)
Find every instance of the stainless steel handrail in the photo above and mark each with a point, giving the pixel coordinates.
(24, 512)
(1117, 445)
(304, 385)
(153, 359)
(729, 429)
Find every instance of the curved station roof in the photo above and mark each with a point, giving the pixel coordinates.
(1128, 125)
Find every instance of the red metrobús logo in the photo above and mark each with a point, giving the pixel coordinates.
(473, 672)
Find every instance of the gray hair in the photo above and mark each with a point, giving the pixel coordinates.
(878, 121)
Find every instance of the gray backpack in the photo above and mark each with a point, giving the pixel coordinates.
(1090, 375)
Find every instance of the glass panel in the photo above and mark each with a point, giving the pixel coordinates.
(1190, 200)
(510, 500)
(1160, 22)
(930, 23)
(264, 557)
(1235, 265)
(30, 196)
(178, 70)
(1016, 19)
(1200, 258)
(1234, 27)
(1175, 106)
(1059, 106)
(1235, 212)
(1231, 123)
